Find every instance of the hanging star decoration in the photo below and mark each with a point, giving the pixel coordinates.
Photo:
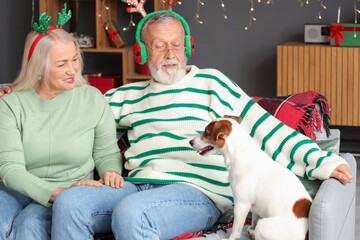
(137, 6)
(170, 3)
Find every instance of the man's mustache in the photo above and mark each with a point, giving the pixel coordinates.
(170, 62)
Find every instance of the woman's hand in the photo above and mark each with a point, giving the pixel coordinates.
(55, 193)
(87, 182)
(7, 89)
(112, 178)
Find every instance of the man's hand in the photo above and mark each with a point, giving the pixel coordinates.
(342, 173)
(7, 90)
(112, 178)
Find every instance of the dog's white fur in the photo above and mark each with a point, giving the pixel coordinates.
(270, 191)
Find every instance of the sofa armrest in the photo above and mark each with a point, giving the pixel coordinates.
(332, 214)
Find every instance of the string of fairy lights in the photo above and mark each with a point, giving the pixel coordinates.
(201, 3)
(252, 18)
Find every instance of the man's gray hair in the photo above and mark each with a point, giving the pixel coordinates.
(162, 17)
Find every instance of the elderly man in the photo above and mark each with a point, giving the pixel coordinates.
(170, 189)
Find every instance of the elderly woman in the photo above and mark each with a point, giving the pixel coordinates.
(55, 129)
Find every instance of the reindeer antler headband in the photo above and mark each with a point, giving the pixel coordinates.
(43, 27)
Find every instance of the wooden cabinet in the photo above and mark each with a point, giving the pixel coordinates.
(52, 7)
(329, 70)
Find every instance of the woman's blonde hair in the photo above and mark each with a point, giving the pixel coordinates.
(38, 64)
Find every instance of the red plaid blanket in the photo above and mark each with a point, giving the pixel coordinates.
(299, 112)
(214, 229)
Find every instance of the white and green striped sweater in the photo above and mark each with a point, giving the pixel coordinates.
(161, 119)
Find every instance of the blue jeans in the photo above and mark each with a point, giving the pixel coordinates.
(22, 218)
(136, 212)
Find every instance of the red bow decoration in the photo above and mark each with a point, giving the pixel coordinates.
(336, 33)
(112, 35)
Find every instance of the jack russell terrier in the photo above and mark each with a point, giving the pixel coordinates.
(277, 199)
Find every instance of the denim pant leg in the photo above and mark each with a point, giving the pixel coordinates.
(163, 213)
(11, 204)
(33, 223)
(79, 212)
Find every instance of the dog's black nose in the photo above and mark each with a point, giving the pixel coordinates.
(191, 142)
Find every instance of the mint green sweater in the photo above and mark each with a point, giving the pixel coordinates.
(45, 144)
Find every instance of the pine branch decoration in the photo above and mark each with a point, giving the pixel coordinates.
(63, 17)
(44, 24)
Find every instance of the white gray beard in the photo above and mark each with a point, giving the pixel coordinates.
(172, 75)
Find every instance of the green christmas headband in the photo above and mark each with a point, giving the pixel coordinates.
(142, 22)
(43, 28)
(139, 49)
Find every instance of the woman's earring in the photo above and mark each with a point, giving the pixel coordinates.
(39, 77)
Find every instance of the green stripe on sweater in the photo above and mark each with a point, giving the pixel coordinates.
(151, 120)
(160, 151)
(267, 137)
(135, 172)
(122, 89)
(172, 91)
(258, 122)
(319, 161)
(200, 177)
(202, 75)
(306, 159)
(279, 149)
(162, 134)
(207, 166)
(247, 108)
(295, 148)
(143, 163)
(169, 106)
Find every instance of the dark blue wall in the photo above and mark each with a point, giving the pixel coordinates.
(247, 57)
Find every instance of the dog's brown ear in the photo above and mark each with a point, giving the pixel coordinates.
(238, 119)
(221, 129)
